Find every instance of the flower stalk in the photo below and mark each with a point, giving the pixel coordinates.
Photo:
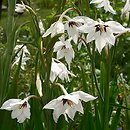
(106, 92)
(62, 88)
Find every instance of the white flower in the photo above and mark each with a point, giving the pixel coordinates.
(64, 49)
(23, 62)
(126, 9)
(25, 57)
(20, 8)
(68, 104)
(20, 109)
(58, 69)
(21, 48)
(102, 32)
(72, 27)
(55, 28)
(105, 4)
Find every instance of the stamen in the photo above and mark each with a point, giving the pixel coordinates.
(105, 26)
(70, 103)
(101, 28)
(72, 23)
(23, 105)
(63, 47)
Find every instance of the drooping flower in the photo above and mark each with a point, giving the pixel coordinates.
(20, 8)
(58, 69)
(105, 4)
(20, 109)
(102, 32)
(64, 49)
(21, 50)
(55, 28)
(125, 11)
(71, 26)
(68, 104)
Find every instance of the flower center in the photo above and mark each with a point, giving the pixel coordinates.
(70, 103)
(63, 47)
(72, 23)
(23, 105)
(101, 28)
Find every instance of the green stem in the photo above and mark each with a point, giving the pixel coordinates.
(93, 69)
(10, 44)
(106, 93)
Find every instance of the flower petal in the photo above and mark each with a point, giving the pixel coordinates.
(110, 38)
(90, 36)
(84, 96)
(84, 28)
(72, 110)
(69, 56)
(48, 31)
(74, 33)
(26, 112)
(15, 113)
(59, 27)
(59, 110)
(126, 8)
(79, 107)
(100, 41)
(51, 104)
(21, 118)
(58, 45)
(115, 27)
(108, 7)
(7, 104)
(65, 117)
(60, 54)
(73, 98)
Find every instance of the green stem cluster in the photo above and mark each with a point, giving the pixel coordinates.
(9, 49)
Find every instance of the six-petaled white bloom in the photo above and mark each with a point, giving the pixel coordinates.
(25, 56)
(105, 4)
(102, 32)
(64, 49)
(20, 109)
(20, 8)
(125, 11)
(58, 69)
(55, 28)
(68, 104)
